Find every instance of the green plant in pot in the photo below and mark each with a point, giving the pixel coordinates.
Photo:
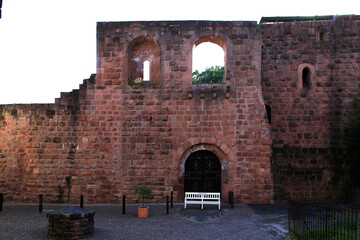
(143, 193)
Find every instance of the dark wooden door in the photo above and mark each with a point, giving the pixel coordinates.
(202, 172)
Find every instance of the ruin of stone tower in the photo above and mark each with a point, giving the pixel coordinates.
(266, 132)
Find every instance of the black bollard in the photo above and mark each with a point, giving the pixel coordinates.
(231, 199)
(172, 199)
(167, 204)
(123, 205)
(1, 201)
(82, 201)
(40, 203)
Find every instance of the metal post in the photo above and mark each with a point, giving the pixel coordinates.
(348, 223)
(123, 204)
(231, 199)
(167, 204)
(82, 201)
(356, 225)
(289, 215)
(40, 203)
(1, 201)
(172, 199)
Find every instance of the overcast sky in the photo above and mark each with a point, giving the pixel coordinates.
(49, 46)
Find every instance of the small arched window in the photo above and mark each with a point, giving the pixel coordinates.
(305, 75)
(146, 70)
(268, 112)
(306, 79)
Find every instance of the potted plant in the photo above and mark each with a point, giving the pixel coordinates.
(143, 193)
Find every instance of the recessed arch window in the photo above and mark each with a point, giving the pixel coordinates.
(305, 74)
(144, 60)
(306, 78)
(268, 113)
(208, 60)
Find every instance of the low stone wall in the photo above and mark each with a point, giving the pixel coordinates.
(70, 223)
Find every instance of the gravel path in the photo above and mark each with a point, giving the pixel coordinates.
(243, 222)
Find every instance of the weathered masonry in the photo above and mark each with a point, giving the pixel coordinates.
(266, 132)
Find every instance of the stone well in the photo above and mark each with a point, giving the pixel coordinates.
(70, 223)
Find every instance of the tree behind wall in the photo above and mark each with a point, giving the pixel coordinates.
(210, 75)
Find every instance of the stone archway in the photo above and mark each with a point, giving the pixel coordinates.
(217, 147)
(202, 172)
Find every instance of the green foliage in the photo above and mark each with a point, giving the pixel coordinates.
(210, 75)
(345, 230)
(144, 193)
(138, 80)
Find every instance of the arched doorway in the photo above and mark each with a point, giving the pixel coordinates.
(202, 172)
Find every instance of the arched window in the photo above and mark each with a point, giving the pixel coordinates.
(306, 78)
(305, 74)
(146, 71)
(144, 60)
(268, 112)
(208, 60)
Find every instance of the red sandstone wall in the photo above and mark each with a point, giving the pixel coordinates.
(111, 136)
(165, 120)
(305, 127)
(41, 146)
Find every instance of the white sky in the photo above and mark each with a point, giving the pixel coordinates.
(207, 54)
(49, 46)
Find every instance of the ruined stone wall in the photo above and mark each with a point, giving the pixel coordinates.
(166, 119)
(42, 150)
(307, 114)
(116, 133)
(113, 134)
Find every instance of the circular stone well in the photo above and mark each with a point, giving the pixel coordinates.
(70, 223)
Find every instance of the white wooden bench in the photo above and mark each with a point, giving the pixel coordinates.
(202, 198)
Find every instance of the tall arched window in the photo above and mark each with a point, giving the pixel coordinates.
(209, 54)
(306, 78)
(146, 70)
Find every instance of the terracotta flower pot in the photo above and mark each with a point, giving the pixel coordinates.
(143, 212)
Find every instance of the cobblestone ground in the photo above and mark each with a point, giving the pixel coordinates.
(243, 222)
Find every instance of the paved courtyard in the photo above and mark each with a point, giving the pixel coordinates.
(249, 222)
